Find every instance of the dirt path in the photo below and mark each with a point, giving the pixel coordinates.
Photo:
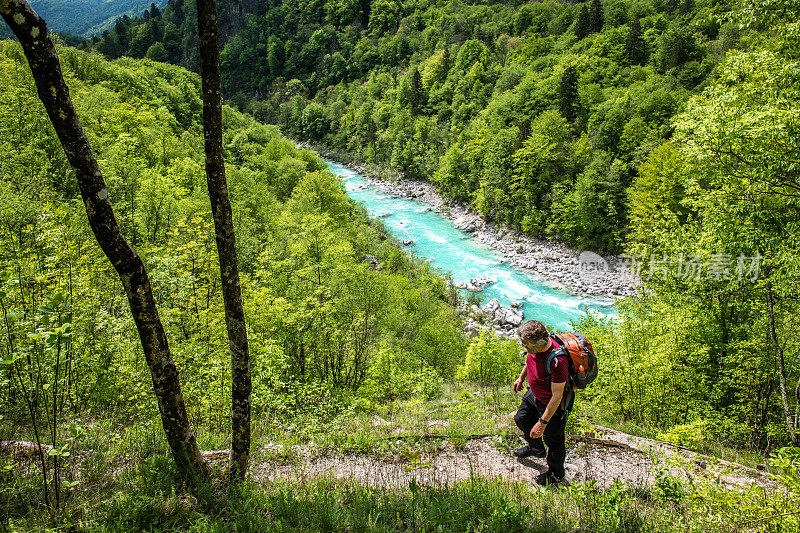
(609, 456)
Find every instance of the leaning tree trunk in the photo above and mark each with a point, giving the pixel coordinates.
(226, 239)
(40, 51)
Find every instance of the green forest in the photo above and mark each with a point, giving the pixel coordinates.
(88, 17)
(466, 94)
(663, 130)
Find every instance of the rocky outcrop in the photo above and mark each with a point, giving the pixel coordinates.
(492, 317)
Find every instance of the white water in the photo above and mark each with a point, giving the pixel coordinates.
(449, 249)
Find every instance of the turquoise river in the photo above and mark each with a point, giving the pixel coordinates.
(436, 239)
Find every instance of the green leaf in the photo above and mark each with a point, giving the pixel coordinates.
(10, 359)
(66, 329)
(56, 300)
(76, 431)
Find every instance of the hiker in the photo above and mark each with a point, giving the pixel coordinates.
(542, 415)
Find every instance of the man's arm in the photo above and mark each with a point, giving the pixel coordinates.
(517, 386)
(552, 406)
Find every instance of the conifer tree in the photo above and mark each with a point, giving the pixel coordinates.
(121, 29)
(596, 16)
(568, 102)
(634, 47)
(416, 92)
(275, 56)
(582, 24)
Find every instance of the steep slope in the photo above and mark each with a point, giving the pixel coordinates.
(89, 17)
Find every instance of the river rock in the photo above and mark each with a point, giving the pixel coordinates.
(507, 317)
(490, 308)
(480, 281)
(473, 329)
(514, 317)
(407, 242)
(373, 262)
(384, 215)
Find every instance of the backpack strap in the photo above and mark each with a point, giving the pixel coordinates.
(569, 394)
(548, 363)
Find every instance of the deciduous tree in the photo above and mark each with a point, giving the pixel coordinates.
(40, 51)
(226, 239)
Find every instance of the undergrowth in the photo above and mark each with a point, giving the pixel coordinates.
(126, 482)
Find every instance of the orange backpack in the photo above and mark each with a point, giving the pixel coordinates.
(582, 360)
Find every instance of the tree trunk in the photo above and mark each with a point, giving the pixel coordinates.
(33, 35)
(226, 240)
(781, 366)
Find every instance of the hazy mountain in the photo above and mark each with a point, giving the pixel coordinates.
(88, 17)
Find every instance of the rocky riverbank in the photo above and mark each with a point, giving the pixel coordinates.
(585, 274)
(579, 273)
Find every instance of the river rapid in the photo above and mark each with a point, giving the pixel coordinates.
(436, 239)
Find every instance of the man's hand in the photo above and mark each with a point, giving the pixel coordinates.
(537, 430)
(517, 386)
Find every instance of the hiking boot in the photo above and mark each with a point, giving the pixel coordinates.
(547, 478)
(528, 451)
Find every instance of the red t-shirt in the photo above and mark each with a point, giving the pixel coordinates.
(538, 379)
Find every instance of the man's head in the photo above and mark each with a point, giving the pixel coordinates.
(534, 336)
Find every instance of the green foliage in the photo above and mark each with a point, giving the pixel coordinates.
(721, 201)
(88, 17)
(392, 376)
(451, 91)
(490, 361)
(655, 197)
(692, 434)
(320, 318)
(676, 47)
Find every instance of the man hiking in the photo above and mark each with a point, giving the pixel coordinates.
(542, 415)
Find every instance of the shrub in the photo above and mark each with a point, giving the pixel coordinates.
(490, 361)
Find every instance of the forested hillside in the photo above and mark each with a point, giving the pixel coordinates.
(602, 124)
(318, 312)
(88, 17)
(538, 114)
(665, 130)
